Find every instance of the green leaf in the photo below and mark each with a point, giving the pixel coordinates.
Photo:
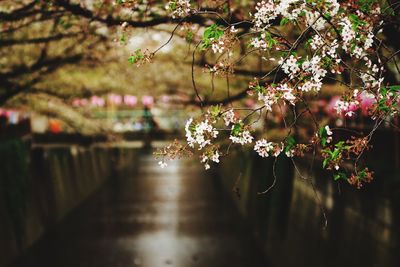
(211, 34)
(356, 21)
(366, 5)
(215, 110)
(325, 162)
(323, 135)
(339, 144)
(394, 88)
(340, 175)
(258, 88)
(328, 15)
(237, 128)
(324, 141)
(289, 143)
(137, 56)
(122, 39)
(308, 42)
(284, 21)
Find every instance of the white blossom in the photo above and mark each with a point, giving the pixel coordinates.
(162, 164)
(229, 117)
(268, 99)
(200, 133)
(179, 8)
(348, 34)
(313, 67)
(289, 153)
(329, 133)
(259, 43)
(206, 157)
(265, 12)
(242, 138)
(287, 93)
(290, 66)
(218, 47)
(263, 148)
(346, 107)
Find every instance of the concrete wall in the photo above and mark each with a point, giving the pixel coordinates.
(363, 225)
(39, 185)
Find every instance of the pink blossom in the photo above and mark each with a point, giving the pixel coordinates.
(366, 100)
(83, 102)
(330, 107)
(76, 102)
(97, 101)
(130, 100)
(147, 100)
(115, 99)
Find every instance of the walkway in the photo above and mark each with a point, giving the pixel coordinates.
(150, 217)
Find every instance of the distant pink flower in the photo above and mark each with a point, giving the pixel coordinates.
(250, 102)
(366, 100)
(165, 98)
(330, 107)
(130, 100)
(83, 102)
(115, 99)
(76, 102)
(147, 100)
(97, 101)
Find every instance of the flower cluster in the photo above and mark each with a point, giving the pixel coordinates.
(364, 176)
(229, 117)
(259, 42)
(271, 95)
(210, 156)
(286, 92)
(348, 104)
(317, 73)
(222, 69)
(242, 137)
(312, 42)
(170, 152)
(346, 107)
(268, 97)
(179, 8)
(370, 79)
(267, 11)
(199, 133)
(225, 42)
(353, 33)
(266, 149)
(290, 65)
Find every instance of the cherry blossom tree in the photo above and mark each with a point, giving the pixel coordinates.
(295, 51)
(307, 45)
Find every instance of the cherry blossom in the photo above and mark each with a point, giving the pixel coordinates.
(179, 8)
(242, 138)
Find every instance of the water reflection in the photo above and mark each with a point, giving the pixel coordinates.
(148, 216)
(157, 248)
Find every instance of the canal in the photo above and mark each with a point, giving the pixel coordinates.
(148, 216)
(111, 205)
